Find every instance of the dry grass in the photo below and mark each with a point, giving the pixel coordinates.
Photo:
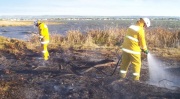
(163, 38)
(109, 39)
(4, 87)
(15, 23)
(23, 23)
(169, 53)
(113, 37)
(74, 38)
(16, 47)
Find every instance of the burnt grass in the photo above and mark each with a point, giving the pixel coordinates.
(74, 74)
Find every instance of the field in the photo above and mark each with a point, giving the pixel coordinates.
(21, 23)
(80, 64)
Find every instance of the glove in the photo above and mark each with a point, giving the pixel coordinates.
(146, 51)
(40, 38)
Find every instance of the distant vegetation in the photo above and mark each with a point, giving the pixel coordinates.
(22, 23)
(15, 23)
(64, 17)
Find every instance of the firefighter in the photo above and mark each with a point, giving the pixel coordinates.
(44, 38)
(134, 43)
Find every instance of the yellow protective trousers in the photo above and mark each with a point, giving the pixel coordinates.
(45, 51)
(134, 60)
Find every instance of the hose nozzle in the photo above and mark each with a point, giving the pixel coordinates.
(145, 51)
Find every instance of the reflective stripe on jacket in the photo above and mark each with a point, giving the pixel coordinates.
(45, 42)
(134, 40)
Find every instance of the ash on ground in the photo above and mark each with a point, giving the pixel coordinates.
(81, 74)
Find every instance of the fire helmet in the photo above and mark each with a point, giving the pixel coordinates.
(36, 22)
(147, 21)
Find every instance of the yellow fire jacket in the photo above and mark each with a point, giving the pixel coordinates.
(134, 40)
(44, 33)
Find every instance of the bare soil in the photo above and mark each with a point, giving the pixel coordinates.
(75, 74)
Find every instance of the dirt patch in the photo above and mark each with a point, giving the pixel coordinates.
(74, 74)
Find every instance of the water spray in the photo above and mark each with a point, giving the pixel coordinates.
(158, 76)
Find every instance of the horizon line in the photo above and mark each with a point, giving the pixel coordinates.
(80, 15)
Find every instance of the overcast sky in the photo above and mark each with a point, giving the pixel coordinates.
(91, 7)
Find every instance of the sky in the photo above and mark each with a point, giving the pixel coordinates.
(91, 7)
